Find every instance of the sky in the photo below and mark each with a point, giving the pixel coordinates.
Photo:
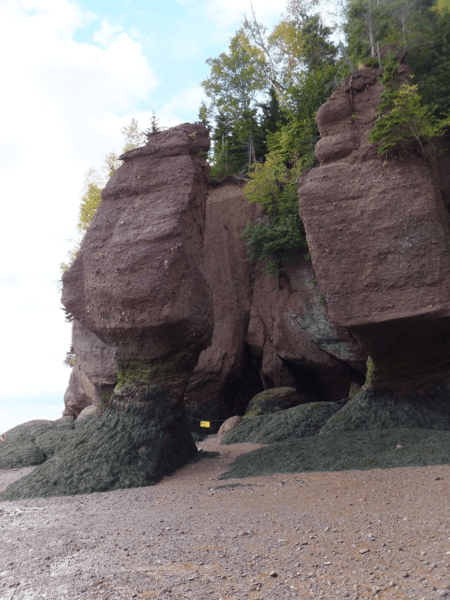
(73, 74)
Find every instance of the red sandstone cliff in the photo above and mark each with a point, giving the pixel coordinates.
(378, 236)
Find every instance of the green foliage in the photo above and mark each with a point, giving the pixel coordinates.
(305, 46)
(235, 80)
(431, 63)
(88, 207)
(154, 126)
(235, 77)
(133, 136)
(280, 236)
(408, 123)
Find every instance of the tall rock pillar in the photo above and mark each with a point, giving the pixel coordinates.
(379, 241)
(138, 282)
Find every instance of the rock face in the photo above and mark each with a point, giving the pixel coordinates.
(296, 344)
(268, 331)
(226, 377)
(94, 374)
(138, 283)
(378, 237)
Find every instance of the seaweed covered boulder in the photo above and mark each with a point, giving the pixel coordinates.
(293, 423)
(380, 449)
(34, 442)
(138, 282)
(135, 441)
(274, 400)
(384, 409)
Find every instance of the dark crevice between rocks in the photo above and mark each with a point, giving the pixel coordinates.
(325, 384)
(233, 400)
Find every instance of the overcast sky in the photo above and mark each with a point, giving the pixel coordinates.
(73, 73)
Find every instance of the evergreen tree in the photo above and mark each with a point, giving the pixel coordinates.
(154, 126)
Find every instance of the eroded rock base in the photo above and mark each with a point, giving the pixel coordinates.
(384, 409)
(129, 444)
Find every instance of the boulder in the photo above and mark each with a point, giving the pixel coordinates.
(138, 282)
(87, 412)
(228, 425)
(26, 429)
(274, 400)
(378, 236)
(32, 443)
(294, 423)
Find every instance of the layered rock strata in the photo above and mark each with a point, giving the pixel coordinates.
(378, 236)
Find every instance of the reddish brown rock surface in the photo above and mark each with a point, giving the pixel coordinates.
(378, 236)
(138, 282)
(225, 377)
(296, 343)
(94, 374)
(268, 331)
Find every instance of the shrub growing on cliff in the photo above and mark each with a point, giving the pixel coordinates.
(403, 120)
(408, 122)
(280, 235)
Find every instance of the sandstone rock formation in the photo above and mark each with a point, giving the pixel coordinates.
(379, 241)
(297, 345)
(268, 331)
(94, 374)
(138, 283)
(226, 377)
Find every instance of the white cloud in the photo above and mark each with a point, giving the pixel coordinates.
(188, 101)
(106, 34)
(229, 12)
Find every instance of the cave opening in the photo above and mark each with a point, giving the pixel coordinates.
(325, 384)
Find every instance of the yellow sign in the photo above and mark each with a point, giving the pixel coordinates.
(205, 424)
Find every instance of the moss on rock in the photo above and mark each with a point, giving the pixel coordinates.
(32, 444)
(272, 400)
(360, 450)
(297, 422)
(136, 441)
(163, 371)
(384, 409)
